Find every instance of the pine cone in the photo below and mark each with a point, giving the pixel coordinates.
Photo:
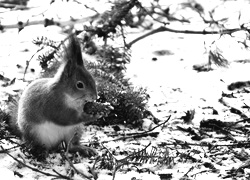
(97, 109)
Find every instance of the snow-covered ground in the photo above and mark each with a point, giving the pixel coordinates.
(170, 79)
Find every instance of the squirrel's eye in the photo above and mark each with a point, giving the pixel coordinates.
(79, 85)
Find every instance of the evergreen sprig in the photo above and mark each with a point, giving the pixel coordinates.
(44, 41)
(155, 156)
(114, 59)
(130, 104)
(45, 59)
(48, 57)
(111, 19)
(4, 128)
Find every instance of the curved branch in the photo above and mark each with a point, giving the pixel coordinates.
(203, 32)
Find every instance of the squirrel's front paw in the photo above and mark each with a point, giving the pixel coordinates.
(83, 150)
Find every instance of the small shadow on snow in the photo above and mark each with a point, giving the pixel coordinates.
(163, 53)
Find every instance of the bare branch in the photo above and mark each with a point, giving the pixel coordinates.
(28, 62)
(66, 156)
(58, 23)
(203, 32)
(37, 170)
(142, 134)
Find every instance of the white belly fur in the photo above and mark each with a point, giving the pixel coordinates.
(50, 134)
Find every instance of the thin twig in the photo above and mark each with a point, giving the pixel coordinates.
(28, 62)
(151, 15)
(114, 160)
(242, 121)
(66, 156)
(190, 169)
(123, 36)
(6, 150)
(136, 135)
(207, 145)
(92, 9)
(37, 170)
(92, 170)
(195, 174)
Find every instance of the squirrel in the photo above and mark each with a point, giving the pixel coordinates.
(51, 110)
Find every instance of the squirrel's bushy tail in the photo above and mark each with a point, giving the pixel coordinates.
(12, 120)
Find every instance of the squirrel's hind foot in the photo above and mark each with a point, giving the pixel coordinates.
(35, 151)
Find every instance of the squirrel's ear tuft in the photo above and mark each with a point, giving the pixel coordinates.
(73, 51)
(72, 56)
